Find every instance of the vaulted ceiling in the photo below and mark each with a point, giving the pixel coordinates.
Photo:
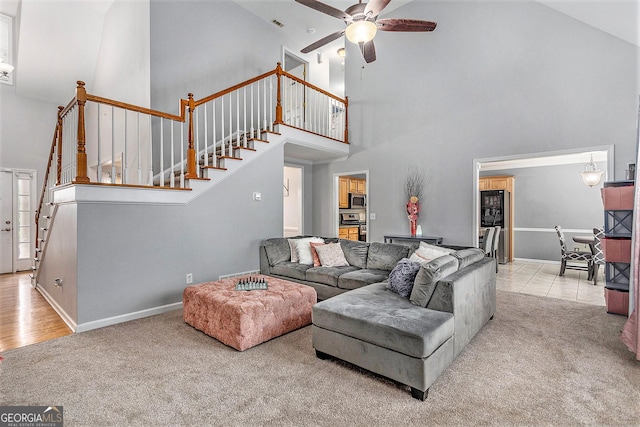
(52, 54)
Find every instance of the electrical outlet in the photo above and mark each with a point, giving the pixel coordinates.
(372, 216)
(189, 278)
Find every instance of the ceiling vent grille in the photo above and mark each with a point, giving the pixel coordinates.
(278, 23)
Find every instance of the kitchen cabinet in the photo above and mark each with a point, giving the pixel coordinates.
(349, 233)
(349, 185)
(502, 182)
(357, 185)
(343, 198)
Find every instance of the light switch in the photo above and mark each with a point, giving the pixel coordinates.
(257, 196)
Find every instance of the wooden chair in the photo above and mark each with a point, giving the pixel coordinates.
(487, 241)
(495, 244)
(573, 259)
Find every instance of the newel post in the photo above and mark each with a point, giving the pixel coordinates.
(59, 147)
(346, 119)
(81, 157)
(279, 120)
(191, 151)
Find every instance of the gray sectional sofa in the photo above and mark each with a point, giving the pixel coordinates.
(409, 339)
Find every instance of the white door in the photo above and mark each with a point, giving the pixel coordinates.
(292, 205)
(6, 222)
(17, 219)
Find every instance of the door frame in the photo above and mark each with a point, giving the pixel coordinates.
(25, 263)
(477, 166)
(336, 195)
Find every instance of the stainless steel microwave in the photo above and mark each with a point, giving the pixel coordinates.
(357, 200)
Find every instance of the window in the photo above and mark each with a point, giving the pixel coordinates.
(24, 215)
(6, 45)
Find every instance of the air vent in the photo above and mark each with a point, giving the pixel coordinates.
(278, 23)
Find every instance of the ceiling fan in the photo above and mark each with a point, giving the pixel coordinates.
(362, 24)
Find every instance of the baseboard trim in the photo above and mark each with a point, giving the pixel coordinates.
(56, 307)
(537, 261)
(108, 321)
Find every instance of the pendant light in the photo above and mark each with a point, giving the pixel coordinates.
(591, 175)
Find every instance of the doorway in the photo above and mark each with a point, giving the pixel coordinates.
(351, 214)
(294, 92)
(17, 222)
(549, 190)
(292, 215)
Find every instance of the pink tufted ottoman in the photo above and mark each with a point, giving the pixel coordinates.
(242, 319)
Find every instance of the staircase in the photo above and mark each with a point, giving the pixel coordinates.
(107, 151)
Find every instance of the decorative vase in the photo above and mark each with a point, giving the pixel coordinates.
(413, 209)
(419, 231)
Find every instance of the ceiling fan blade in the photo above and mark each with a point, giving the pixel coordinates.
(375, 7)
(368, 51)
(405, 25)
(325, 8)
(323, 41)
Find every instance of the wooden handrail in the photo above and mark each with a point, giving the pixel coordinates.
(143, 110)
(234, 88)
(310, 86)
(59, 163)
(54, 142)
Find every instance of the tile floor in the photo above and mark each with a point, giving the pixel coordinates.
(542, 279)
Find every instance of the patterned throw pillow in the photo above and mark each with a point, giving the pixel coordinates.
(402, 277)
(331, 255)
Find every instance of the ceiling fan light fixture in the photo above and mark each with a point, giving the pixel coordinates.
(361, 31)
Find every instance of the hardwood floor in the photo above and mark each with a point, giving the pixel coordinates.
(25, 316)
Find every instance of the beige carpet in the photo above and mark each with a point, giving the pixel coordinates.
(539, 362)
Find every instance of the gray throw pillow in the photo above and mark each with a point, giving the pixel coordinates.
(429, 275)
(402, 276)
(277, 250)
(355, 252)
(385, 256)
(468, 256)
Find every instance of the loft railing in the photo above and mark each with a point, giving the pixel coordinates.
(106, 142)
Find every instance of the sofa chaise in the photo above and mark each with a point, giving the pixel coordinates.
(410, 337)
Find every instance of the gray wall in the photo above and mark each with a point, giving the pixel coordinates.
(494, 79)
(547, 196)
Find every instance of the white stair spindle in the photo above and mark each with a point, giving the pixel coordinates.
(264, 103)
(214, 160)
(206, 138)
(258, 109)
(251, 134)
(244, 126)
(172, 157)
(123, 168)
(113, 145)
(150, 153)
(99, 176)
(182, 153)
(197, 147)
(230, 127)
(139, 181)
(271, 106)
(161, 152)
(238, 141)
(222, 148)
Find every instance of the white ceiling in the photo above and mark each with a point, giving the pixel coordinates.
(58, 40)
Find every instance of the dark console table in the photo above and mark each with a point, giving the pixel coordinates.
(434, 240)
